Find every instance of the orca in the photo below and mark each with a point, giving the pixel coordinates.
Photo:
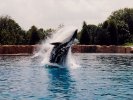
(60, 50)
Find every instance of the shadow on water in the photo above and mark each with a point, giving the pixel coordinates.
(61, 85)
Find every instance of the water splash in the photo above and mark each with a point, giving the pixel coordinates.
(46, 47)
(72, 61)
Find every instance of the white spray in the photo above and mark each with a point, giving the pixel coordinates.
(60, 36)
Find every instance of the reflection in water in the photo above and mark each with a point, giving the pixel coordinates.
(100, 77)
(60, 84)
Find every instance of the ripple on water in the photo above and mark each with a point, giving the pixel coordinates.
(100, 77)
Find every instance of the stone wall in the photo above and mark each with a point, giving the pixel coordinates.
(101, 49)
(29, 49)
(17, 49)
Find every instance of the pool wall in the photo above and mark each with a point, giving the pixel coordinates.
(101, 49)
(30, 49)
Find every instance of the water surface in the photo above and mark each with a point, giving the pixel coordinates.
(100, 77)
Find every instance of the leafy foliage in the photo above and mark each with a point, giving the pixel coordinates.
(125, 15)
(116, 30)
(12, 34)
(10, 31)
(34, 38)
(85, 36)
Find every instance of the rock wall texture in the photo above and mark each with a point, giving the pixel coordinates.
(101, 49)
(29, 49)
(17, 49)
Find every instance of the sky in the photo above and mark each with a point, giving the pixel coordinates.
(51, 13)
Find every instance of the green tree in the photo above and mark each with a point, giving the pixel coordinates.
(34, 38)
(92, 32)
(84, 36)
(42, 33)
(10, 32)
(6, 38)
(102, 37)
(113, 32)
(123, 33)
(125, 15)
(105, 25)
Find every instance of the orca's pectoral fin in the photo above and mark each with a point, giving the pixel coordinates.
(56, 43)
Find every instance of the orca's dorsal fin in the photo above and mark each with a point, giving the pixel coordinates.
(56, 43)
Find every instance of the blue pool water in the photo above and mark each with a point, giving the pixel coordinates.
(100, 77)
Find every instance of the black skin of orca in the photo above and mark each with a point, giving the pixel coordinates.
(60, 50)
